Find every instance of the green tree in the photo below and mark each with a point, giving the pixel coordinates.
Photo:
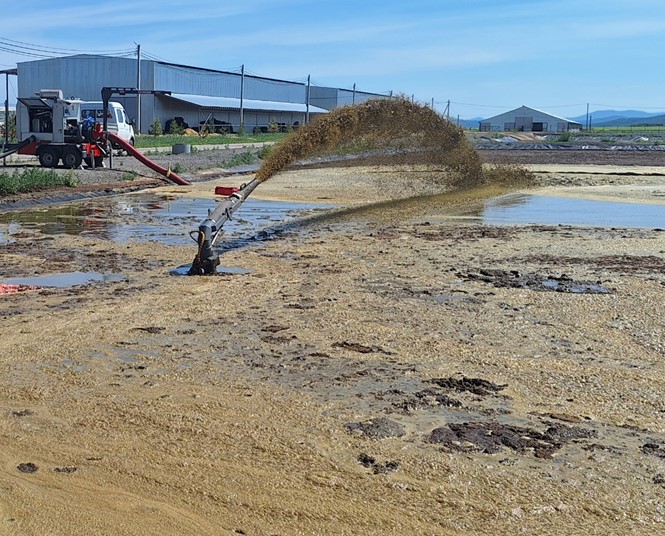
(11, 126)
(273, 126)
(156, 127)
(175, 128)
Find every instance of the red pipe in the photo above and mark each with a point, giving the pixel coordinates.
(145, 160)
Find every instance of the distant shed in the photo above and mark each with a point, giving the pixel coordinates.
(525, 119)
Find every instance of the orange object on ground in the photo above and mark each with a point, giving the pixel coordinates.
(13, 289)
(226, 190)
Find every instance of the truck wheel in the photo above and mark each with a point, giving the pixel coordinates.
(49, 157)
(71, 157)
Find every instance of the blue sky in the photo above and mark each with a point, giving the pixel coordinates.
(485, 56)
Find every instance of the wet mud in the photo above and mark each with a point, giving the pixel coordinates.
(28, 257)
(622, 264)
(379, 428)
(492, 438)
(363, 344)
(28, 468)
(413, 376)
(377, 467)
(552, 283)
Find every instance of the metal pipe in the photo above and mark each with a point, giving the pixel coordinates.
(18, 147)
(206, 260)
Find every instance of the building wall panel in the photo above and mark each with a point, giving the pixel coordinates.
(274, 90)
(180, 79)
(83, 76)
(78, 76)
(323, 97)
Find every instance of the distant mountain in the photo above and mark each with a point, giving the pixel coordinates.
(611, 115)
(654, 120)
(467, 123)
(621, 118)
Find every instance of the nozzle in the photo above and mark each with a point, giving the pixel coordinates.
(206, 266)
(206, 260)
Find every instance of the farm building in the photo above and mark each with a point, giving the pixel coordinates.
(11, 109)
(525, 119)
(197, 95)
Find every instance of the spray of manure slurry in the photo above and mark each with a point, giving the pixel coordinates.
(395, 131)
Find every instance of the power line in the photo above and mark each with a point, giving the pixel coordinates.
(154, 57)
(22, 45)
(476, 105)
(22, 53)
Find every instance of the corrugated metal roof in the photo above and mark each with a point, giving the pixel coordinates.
(248, 104)
(525, 109)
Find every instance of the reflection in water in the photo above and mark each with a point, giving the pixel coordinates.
(163, 218)
(168, 219)
(69, 219)
(538, 209)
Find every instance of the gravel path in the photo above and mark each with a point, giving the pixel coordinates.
(126, 168)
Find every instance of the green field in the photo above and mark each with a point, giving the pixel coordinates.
(167, 140)
(634, 130)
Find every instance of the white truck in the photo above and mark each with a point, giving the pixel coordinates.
(118, 123)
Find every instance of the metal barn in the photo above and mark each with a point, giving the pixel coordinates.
(525, 119)
(330, 98)
(197, 94)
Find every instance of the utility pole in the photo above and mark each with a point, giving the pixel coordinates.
(307, 101)
(432, 103)
(354, 94)
(587, 116)
(138, 86)
(4, 160)
(242, 98)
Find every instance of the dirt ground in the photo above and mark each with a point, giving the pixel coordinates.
(386, 367)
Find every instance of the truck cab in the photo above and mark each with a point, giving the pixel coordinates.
(117, 121)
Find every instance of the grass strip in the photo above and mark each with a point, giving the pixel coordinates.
(34, 179)
(167, 140)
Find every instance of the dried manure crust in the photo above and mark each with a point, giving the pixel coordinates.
(380, 370)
